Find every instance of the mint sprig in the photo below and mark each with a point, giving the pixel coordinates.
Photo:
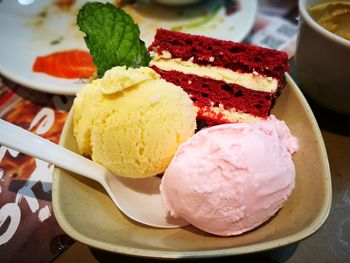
(112, 37)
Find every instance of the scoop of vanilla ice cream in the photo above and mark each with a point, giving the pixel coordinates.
(132, 122)
(230, 178)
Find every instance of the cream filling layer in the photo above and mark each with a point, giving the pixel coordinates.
(252, 81)
(230, 116)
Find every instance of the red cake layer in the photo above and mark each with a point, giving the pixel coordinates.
(218, 101)
(206, 92)
(239, 57)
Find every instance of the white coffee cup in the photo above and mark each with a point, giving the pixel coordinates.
(322, 62)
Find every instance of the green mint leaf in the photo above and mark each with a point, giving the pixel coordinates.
(112, 37)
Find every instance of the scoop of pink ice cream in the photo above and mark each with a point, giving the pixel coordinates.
(230, 178)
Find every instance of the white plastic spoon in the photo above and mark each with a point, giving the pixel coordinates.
(139, 199)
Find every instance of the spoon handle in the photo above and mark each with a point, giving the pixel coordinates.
(26, 142)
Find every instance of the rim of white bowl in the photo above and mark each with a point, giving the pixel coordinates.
(307, 18)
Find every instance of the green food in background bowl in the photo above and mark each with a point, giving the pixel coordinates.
(322, 61)
(333, 16)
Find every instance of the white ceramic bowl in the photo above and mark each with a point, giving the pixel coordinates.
(322, 62)
(86, 213)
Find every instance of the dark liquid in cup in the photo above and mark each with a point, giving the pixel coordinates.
(333, 16)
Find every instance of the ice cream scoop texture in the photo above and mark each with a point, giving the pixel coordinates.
(230, 178)
(132, 122)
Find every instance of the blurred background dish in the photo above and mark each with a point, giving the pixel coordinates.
(176, 2)
(40, 28)
(322, 59)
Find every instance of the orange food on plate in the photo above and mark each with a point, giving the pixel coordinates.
(68, 64)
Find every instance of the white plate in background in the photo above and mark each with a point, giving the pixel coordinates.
(41, 28)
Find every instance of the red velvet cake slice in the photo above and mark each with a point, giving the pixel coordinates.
(227, 81)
